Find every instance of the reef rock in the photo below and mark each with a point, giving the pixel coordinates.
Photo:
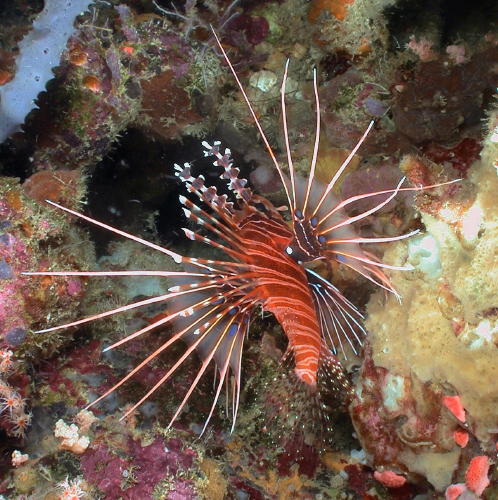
(440, 340)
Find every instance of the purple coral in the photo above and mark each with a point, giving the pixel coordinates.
(254, 28)
(5, 270)
(15, 336)
(142, 471)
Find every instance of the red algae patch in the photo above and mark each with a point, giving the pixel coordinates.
(476, 477)
(461, 437)
(454, 404)
(390, 479)
(454, 491)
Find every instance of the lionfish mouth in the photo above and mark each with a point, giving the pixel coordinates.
(212, 301)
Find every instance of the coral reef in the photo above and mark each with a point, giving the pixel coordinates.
(132, 87)
(449, 316)
(27, 229)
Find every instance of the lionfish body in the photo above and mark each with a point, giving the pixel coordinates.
(277, 283)
(283, 290)
(263, 265)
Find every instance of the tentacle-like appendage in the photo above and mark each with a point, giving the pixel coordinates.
(256, 121)
(237, 331)
(337, 313)
(314, 158)
(237, 365)
(218, 325)
(327, 321)
(191, 235)
(368, 272)
(153, 355)
(162, 274)
(286, 139)
(218, 203)
(199, 216)
(235, 184)
(339, 206)
(208, 195)
(384, 239)
(347, 318)
(214, 334)
(350, 220)
(199, 286)
(408, 267)
(200, 263)
(339, 172)
(175, 256)
(186, 312)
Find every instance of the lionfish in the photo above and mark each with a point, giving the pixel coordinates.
(212, 301)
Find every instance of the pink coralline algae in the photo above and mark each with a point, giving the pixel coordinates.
(21, 301)
(476, 477)
(388, 419)
(390, 479)
(144, 470)
(14, 257)
(25, 227)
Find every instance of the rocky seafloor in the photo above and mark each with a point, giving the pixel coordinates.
(138, 86)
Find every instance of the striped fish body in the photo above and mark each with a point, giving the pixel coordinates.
(281, 288)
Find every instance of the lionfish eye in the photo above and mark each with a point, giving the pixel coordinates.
(288, 251)
(260, 207)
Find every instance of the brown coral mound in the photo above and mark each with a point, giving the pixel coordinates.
(61, 186)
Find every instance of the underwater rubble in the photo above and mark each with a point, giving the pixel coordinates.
(135, 87)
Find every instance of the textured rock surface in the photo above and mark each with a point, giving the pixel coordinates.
(441, 337)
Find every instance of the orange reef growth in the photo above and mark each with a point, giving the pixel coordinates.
(337, 8)
(63, 186)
